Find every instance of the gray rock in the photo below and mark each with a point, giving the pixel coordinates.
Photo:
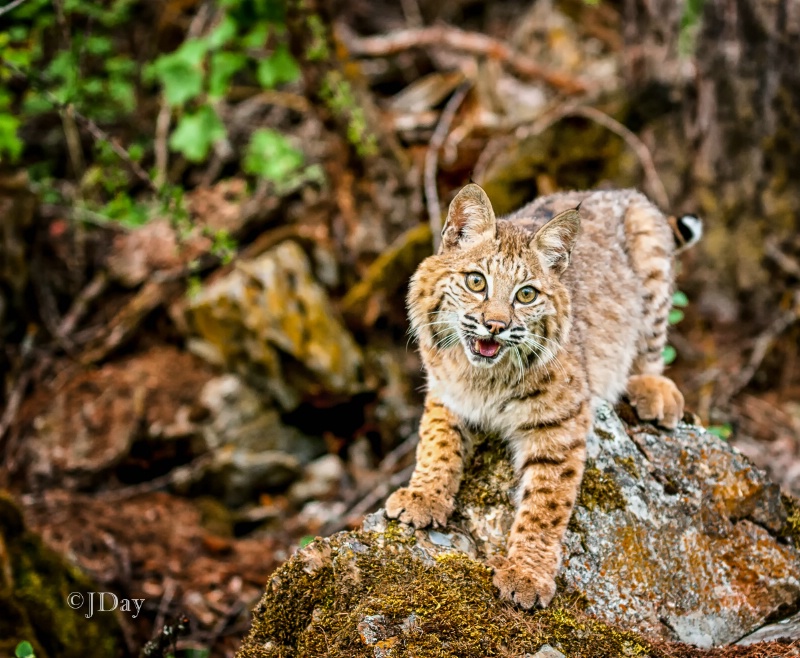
(784, 629)
(546, 652)
(674, 536)
(684, 531)
(372, 629)
(237, 476)
(239, 417)
(320, 478)
(253, 450)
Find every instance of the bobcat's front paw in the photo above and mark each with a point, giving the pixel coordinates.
(656, 398)
(522, 583)
(418, 507)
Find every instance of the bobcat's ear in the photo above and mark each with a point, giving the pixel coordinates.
(556, 239)
(469, 219)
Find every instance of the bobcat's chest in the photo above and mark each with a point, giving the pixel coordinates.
(479, 406)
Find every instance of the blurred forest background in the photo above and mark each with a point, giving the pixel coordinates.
(209, 212)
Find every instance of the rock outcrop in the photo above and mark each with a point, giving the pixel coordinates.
(35, 589)
(676, 537)
(271, 322)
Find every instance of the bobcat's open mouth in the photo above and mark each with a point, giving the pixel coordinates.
(486, 347)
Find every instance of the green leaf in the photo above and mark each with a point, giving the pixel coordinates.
(181, 72)
(224, 66)
(136, 151)
(222, 33)
(196, 132)
(97, 45)
(223, 246)
(675, 316)
(24, 650)
(280, 67)
(35, 104)
(723, 432)
(269, 155)
(680, 299)
(126, 211)
(257, 37)
(669, 354)
(10, 143)
(196, 652)
(305, 541)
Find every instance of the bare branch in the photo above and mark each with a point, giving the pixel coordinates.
(654, 181)
(456, 39)
(10, 6)
(655, 186)
(432, 160)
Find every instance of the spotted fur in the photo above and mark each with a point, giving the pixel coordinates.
(601, 264)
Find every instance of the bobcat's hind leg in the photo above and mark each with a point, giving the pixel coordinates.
(656, 398)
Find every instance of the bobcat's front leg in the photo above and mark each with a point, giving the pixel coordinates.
(549, 459)
(441, 453)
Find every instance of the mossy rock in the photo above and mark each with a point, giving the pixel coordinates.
(35, 584)
(363, 594)
(675, 537)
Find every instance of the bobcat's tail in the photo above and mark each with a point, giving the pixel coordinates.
(686, 229)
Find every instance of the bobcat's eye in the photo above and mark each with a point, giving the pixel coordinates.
(526, 295)
(476, 282)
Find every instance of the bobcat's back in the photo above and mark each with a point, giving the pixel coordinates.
(620, 280)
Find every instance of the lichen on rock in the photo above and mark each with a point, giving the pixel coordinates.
(675, 537)
(272, 323)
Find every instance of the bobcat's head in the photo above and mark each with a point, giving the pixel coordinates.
(494, 291)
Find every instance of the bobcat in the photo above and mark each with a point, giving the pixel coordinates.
(523, 322)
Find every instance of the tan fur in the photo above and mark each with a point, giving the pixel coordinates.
(603, 275)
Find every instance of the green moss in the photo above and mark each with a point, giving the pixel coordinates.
(603, 434)
(35, 583)
(599, 490)
(629, 465)
(791, 527)
(338, 94)
(317, 49)
(489, 478)
(444, 608)
(399, 533)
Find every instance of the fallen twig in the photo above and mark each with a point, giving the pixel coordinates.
(167, 595)
(14, 400)
(763, 343)
(783, 260)
(383, 489)
(654, 181)
(92, 291)
(128, 319)
(363, 506)
(453, 37)
(432, 160)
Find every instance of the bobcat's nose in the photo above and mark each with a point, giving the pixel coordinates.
(495, 326)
